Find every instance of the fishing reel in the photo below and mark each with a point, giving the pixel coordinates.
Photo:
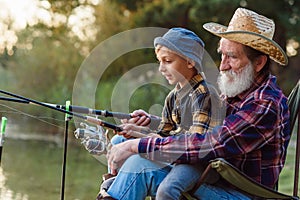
(94, 139)
(88, 131)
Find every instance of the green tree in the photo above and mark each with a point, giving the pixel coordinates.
(46, 59)
(193, 14)
(47, 56)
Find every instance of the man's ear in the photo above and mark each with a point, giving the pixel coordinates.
(260, 62)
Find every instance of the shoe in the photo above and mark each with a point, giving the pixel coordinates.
(108, 179)
(104, 196)
(106, 184)
(107, 176)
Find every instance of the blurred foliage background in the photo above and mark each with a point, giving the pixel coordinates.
(42, 58)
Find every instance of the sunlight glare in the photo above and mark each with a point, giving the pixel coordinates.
(82, 23)
(17, 15)
(20, 11)
(292, 47)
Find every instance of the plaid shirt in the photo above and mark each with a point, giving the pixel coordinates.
(187, 109)
(253, 137)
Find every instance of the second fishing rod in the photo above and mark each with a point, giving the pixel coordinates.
(90, 119)
(84, 110)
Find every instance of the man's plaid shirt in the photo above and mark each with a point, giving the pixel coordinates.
(253, 137)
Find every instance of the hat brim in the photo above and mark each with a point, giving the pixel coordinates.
(251, 39)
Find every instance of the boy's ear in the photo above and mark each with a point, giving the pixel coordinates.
(191, 64)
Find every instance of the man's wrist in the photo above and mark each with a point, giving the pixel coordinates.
(135, 145)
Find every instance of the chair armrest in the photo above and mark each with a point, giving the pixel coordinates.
(240, 180)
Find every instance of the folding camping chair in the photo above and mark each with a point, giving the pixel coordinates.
(240, 180)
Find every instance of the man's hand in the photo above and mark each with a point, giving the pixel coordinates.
(120, 152)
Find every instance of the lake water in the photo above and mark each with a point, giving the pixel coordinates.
(31, 169)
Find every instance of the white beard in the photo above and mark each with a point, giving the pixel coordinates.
(233, 83)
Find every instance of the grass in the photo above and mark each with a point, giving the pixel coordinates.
(286, 179)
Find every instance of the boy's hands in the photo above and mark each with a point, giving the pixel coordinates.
(135, 126)
(139, 117)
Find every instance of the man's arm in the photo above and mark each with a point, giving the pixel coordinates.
(252, 126)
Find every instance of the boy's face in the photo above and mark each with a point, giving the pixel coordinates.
(173, 67)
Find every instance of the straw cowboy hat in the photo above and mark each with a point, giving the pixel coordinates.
(253, 30)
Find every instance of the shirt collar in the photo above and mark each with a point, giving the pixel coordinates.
(193, 82)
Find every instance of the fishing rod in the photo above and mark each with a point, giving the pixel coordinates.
(84, 110)
(65, 147)
(90, 119)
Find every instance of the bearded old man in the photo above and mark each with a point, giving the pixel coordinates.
(253, 137)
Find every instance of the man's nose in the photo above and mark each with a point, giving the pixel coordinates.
(224, 65)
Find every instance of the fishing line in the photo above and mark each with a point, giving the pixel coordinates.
(84, 117)
(77, 109)
(42, 119)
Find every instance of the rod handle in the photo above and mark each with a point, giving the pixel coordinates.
(99, 122)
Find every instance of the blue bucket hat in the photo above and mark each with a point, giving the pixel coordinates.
(184, 42)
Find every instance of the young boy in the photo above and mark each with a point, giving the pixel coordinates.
(187, 107)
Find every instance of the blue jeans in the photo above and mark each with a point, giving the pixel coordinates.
(139, 177)
(181, 178)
